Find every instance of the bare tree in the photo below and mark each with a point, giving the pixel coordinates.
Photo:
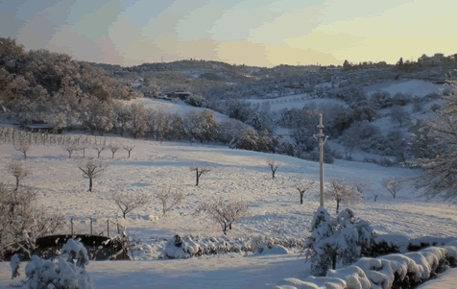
(21, 222)
(362, 188)
(302, 189)
(18, 170)
(225, 213)
(92, 170)
(199, 171)
(169, 199)
(127, 202)
(71, 146)
(129, 147)
(273, 167)
(100, 146)
(342, 192)
(393, 185)
(114, 147)
(22, 144)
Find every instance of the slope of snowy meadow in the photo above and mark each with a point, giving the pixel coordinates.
(235, 174)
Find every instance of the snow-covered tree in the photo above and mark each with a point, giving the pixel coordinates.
(321, 242)
(333, 241)
(439, 179)
(136, 121)
(393, 185)
(97, 115)
(342, 192)
(355, 236)
(62, 272)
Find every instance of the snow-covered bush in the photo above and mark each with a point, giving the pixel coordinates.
(62, 272)
(339, 240)
(178, 248)
(390, 271)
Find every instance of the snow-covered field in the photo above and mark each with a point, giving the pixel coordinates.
(294, 101)
(274, 209)
(414, 87)
(171, 106)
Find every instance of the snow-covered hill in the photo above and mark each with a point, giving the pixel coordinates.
(274, 203)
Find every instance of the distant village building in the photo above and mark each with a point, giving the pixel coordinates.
(183, 95)
(432, 60)
(43, 127)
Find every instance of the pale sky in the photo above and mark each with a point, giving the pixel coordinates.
(253, 32)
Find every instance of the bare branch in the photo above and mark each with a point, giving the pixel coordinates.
(129, 147)
(169, 199)
(18, 170)
(92, 170)
(22, 144)
(273, 167)
(127, 202)
(225, 213)
(199, 171)
(114, 147)
(393, 185)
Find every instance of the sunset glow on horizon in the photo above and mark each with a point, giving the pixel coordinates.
(252, 32)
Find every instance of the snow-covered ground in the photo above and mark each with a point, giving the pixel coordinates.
(274, 208)
(414, 87)
(294, 101)
(171, 106)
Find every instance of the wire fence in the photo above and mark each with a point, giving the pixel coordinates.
(106, 228)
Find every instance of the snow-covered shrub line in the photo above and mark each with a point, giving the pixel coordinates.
(189, 246)
(386, 272)
(397, 243)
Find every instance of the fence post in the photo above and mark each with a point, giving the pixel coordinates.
(71, 222)
(107, 227)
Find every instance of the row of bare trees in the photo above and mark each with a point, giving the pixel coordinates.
(23, 142)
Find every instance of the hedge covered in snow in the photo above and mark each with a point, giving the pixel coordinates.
(188, 246)
(385, 272)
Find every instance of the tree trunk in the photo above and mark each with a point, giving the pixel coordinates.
(197, 177)
(98, 154)
(301, 198)
(90, 184)
(17, 183)
(273, 174)
(69, 155)
(337, 206)
(129, 154)
(25, 155)
(375, 197)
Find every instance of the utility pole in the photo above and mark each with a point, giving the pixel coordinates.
(322, 139)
